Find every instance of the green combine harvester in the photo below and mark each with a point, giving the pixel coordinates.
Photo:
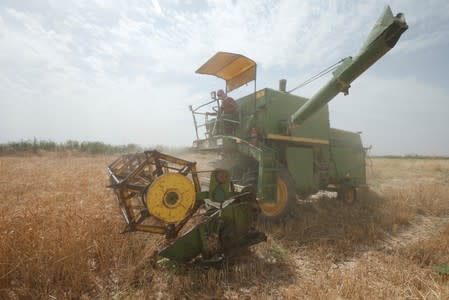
(275, 145)
(282, 143)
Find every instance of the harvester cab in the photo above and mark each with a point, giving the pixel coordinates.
(221, 115)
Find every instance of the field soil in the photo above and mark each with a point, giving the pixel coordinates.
(61, 239)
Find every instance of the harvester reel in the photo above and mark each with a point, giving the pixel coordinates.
(166, 185)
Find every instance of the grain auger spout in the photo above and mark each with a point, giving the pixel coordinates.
(382, 38)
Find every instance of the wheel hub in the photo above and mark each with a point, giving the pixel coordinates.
(171, 197)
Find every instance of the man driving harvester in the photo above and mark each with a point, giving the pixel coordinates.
(228, 104)
(228, 111)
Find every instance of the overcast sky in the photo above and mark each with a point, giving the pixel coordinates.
(123, 71)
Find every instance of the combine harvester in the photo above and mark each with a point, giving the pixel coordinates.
(270, 152)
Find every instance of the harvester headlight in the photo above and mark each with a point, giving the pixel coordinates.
(219, 142)
(195, 144)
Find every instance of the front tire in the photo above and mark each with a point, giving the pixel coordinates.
(286, 196)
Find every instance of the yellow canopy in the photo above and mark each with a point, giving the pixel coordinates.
(236, 69)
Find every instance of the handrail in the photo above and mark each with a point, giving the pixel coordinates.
(219, 120)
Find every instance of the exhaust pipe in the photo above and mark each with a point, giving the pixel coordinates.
(283, 85)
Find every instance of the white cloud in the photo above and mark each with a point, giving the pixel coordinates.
(123, 71)
(157, 7)
(402, 115)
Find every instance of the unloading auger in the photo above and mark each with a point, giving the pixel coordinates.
(160, 193)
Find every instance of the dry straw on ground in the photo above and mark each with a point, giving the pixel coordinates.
(61, 239)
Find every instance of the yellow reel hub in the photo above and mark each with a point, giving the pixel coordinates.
(171, 197)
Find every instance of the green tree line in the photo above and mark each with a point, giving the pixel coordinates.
(70, 145)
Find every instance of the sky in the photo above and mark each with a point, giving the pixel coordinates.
(123, 71)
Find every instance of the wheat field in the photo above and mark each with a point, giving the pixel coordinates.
(61, 239)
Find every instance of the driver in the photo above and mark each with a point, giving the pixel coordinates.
(229, 112)
(228, 104)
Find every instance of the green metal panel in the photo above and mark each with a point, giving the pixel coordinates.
(232, 225)
(268, 175)
(278, 110)
(274, 109)
(316, 127)
(348, 157)
(300, 165)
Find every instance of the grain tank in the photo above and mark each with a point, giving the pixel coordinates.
(282, 144)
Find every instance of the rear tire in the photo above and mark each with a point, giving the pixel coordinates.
(347, 194)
